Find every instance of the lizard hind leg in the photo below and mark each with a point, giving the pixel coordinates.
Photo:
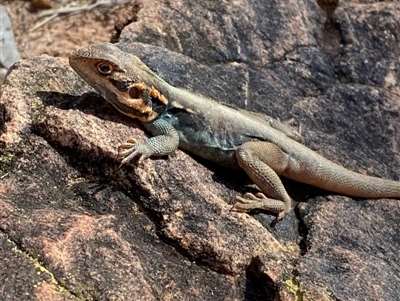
(263, 162)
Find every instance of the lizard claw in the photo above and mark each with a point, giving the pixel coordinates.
(126, 151)
(126, 148)
(247, 202)
(250, 201)
(131, 149)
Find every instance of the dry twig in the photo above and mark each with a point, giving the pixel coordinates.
(66, 10)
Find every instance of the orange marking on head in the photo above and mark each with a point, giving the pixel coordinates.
(141, 86)
(156, 94)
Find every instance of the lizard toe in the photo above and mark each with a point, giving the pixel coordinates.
(249, 202)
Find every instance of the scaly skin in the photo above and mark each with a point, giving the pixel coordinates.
(265, 148)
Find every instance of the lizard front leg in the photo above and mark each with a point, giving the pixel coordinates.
(164, 142)
(263, 162)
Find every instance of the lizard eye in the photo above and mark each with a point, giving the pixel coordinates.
(104, 68)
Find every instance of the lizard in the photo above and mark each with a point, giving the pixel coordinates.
(264, 148)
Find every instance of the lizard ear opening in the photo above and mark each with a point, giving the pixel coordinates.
(135, 92)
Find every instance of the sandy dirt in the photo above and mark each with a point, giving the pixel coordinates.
(59, 34)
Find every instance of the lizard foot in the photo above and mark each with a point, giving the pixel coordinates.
(131, 149)
(250, 201)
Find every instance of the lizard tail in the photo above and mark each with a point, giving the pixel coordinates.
(358, 185)
(333, 177)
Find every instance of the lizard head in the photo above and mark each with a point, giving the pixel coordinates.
(122, 79)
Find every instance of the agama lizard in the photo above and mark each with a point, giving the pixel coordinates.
(264, 148)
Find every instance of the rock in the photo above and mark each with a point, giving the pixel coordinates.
(164, 230)
(8, 49)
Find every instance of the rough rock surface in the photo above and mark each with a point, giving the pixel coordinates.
(75, 227)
